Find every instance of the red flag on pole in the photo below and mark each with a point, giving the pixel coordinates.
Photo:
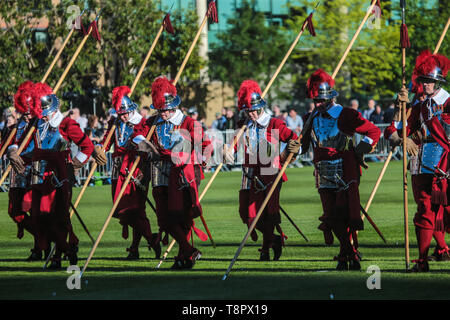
(95, 34)
(167, 24)
(212, 12)
(404, 39)
(310, 25)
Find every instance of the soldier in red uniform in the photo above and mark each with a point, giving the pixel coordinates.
(131, 209)
(176, 147)
(52, 173)
(263, 159)
(337, 164)
(428, 126)
(19, 188)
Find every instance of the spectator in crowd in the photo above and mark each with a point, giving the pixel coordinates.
(74, 114)
(94, 130)
(354, 104)
(219, 123)
(371, 108)
(230, 122)
(145, 112)
(377, 115)
(277, 112)
(9, 119)
(294, 121)
(193, 113)
(389, 114)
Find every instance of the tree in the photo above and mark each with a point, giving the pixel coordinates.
(127, 29)
(249, 49)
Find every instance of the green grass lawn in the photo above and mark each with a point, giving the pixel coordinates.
(305, 270)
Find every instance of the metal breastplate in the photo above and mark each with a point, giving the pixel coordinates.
(326, 133)
(123, 133)
(160, 172)
(247, 177)
(50, 139)
(168, 135)
(21, 129)
(257, 143)
(326, 171)
(430, 152)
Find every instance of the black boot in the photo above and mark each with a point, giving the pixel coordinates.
(190, 262)
(342, 263)
(420, 266)
(72, 254)
(133, 254)
(264, 255)
(155, 245)
(277, 247)
(36, 255)
(55, 264)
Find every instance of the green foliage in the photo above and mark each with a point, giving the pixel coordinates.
(127, 29)
(250, 49)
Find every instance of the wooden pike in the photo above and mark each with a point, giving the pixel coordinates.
(290, 156)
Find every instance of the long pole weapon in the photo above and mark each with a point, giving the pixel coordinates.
(113, 127)
(404, 43)
(138, 158)
(44, 78)
(290, 156)
(307, 23)
(55, 90)
(389, 157)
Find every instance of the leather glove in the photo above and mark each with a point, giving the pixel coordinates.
(16, 161)
(395, 140)
(402, 96)
(411, 147)
(77, 164)
(149, 149)
(228, 155)
(293, 146)
(361, 149)
(99, 155)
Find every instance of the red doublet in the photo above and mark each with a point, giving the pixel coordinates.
(344, 205)
(50, 202)
(132, 199)
(266, 171)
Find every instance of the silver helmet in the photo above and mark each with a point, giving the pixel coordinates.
(127, 105)
(325, 92)
(435, 75)
(49, 104)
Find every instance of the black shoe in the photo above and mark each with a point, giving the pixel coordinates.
(133, 254)
(439, 256)
(354, 264)
(264, 256)
(342, 262)
(277, 247)
(420, 266)
(55, 264)
(190, 262)
(36, 255)
(178, 264)
(155, 245)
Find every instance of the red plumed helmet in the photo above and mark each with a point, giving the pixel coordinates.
(120, 100)
(249, 96)
(23, 99)
(320, 86)
(164, 94)
(45, 101)
(432, 67)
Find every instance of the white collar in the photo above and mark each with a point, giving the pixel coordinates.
(441, 96)
(134, 118)
(264, 119)
(177, 117)
(56, 119)
(335, 111)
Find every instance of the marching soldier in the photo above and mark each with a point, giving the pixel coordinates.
(52, 172)
(20, 189)
(428, 127)
(337, 165)
(176, 150)
(261, 166)
(131, 209)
